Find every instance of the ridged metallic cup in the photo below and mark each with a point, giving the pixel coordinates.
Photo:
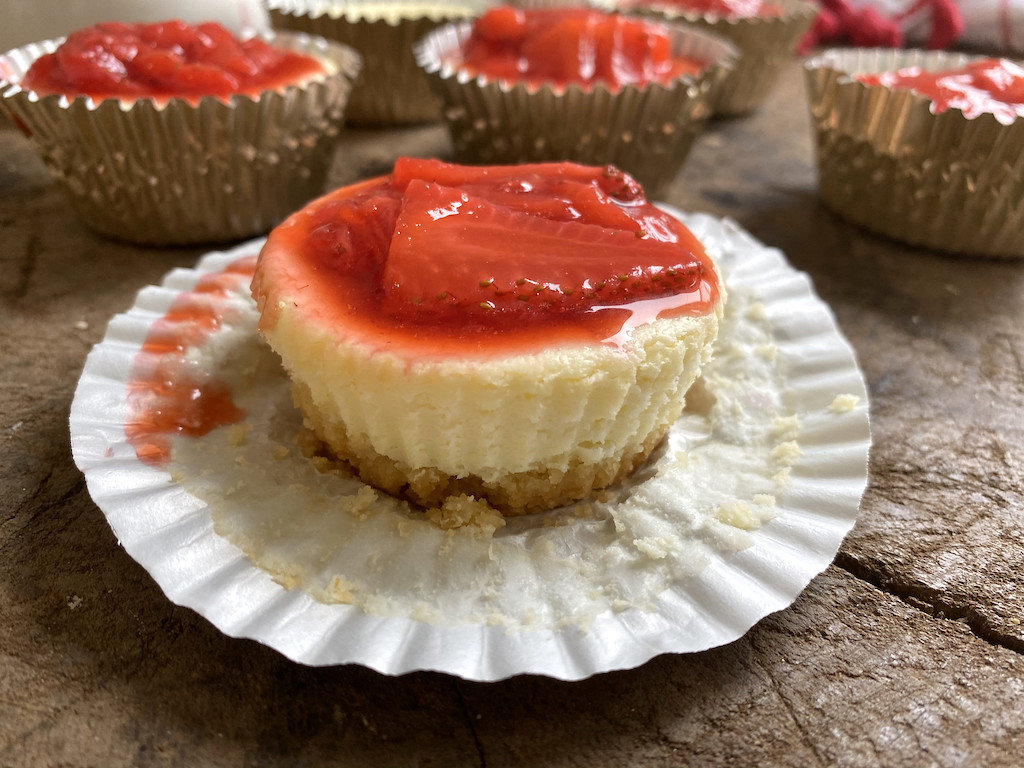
(183, 172)
(645, 131)
(941, 181)
(765, 44)
(392, 90)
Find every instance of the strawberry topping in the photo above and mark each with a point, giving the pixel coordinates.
(164, 60)
(437, 243)
(571, 45)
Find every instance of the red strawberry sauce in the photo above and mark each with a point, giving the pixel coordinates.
(164, 60)
(440, 259)
(570, 45)
(984, 85)
(168, 395)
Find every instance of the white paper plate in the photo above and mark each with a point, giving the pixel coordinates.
(749, 501)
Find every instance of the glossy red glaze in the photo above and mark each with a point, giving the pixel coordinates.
(439, 259)
(995, 86)
(167, 395)
(164, 60)
(571, 45)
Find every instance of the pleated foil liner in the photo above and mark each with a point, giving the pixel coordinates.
(940, 181)
(765, 44)
(647, 131)
(392, 89)
(187, 173)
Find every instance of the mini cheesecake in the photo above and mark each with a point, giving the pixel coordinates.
(522, 334)
(925, 147)
(168, 133)
(165, 60)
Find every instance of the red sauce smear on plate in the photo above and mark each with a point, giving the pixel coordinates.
(995, 86)
(440, 259)
(168, 395)
(163, 60)
(571, 45)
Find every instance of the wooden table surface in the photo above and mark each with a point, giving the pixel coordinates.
(907, 651)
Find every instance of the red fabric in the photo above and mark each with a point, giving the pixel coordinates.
(840, 23)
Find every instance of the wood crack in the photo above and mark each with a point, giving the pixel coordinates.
(26, 508)
(932, 602)
(26, 269)
(807, 736)
(471, 724)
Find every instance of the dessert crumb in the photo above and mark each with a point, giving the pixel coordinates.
(786, 427)
(782, 479)
(342, 590)
(545, 547)
(727, 537)
(362, 504)
(787, 453)
(738, 514)
(288, 577)
(756, 311)
(657, 547)
(843, 404)
(464, 511)
(238, 435)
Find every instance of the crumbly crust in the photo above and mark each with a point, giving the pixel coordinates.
(511, 493)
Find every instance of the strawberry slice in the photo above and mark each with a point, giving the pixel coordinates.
(350, 236)
(561, 191)
(503, 24)
(453, 248)
(98, 70)
(562, 51)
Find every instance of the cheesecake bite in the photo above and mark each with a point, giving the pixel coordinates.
(521, 334)
(169, 133)
(164, 60)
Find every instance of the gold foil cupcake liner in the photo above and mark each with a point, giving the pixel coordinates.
(765, 44)
(392, 90)
(646, 131)
(179, 172)
(886, 162)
